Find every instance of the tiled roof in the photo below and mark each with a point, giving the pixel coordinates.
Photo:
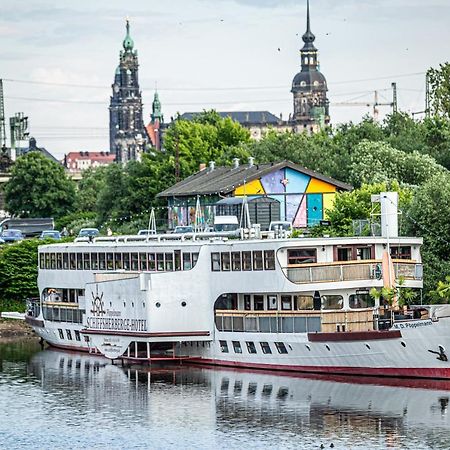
(243, 117)
(93, 156)
(225, 179)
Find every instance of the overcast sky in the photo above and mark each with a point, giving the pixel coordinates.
(195, 49)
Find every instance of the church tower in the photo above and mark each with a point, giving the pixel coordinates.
(309, 88)
(127, 135)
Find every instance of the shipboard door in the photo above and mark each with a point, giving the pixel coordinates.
(315, 209)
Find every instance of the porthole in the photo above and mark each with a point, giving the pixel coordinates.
(124, 304)
(143, 304)
(404, 345)
(308, 347)
(132, 304)
(183, 304)
(157, 304)
(368, 346)
(328, 347)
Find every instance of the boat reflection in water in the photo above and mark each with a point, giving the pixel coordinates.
(204, 407)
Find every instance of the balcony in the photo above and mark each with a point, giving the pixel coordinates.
(350, 271)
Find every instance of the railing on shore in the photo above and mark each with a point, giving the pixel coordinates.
(350, 271)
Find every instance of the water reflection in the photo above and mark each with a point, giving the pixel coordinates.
(65, 399)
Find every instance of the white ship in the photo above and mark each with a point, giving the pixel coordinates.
(299, 305)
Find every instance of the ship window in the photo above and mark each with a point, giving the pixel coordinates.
(118, 261)
(194, 259)
(41, 260)
(286, 302)
(272, 302)
(79, 261)
(52, 261)
(247, 302)
(101, 261)
(65, 261)
(401, 252)
(236, 261)
(73, 261)
(151, 262)
(177, 260)
(86, 261)
(187, 261)
(251, 347)
(110, 261)
(77, 335)
(160, 261)
(269, 260)
(265, 347)
(237, 347)
(281, 348)
(246, 260)
(69, 335)
(258, 301)
(344, 254)
(225, 261)
(59, 261)
(215, 262)
(363, 253)
(303, 302)
(361, 301)
(47, 260)
(332, 301)
(302, 256)
(143, 261)
(258, 260)
(134, 261)
(94, 261)
(61, 333)
(126, 261)
(223, 346)
(169, 261)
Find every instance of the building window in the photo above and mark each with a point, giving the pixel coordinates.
(247, 302)
(258, 301)
(223, 346)
(265, 347)
(332, 301)
(236, 261)
(272, 302)
(303, 302)
(237, 347)
(225, 261)
(302, 256)
(215, 262)
(401, 252)
(281, 348)
(269, 260)
(246, 260)
(251, 347)
(286, 302)
(258, 260)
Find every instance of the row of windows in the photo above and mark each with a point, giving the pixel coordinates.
(69, 334)
(56, 314)
(236, 261)
(169, 261)
(251, 347)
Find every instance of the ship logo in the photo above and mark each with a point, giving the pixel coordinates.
(97, 304)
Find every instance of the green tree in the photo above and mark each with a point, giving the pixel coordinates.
(439, 80)
(91, 183)
(39, 187)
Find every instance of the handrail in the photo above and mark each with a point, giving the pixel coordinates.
(351, 262)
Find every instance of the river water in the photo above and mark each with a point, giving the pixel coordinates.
(58, 400)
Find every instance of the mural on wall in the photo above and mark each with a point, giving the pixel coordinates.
(303, 199)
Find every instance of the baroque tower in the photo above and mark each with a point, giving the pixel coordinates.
(309, 87)
(127, 135)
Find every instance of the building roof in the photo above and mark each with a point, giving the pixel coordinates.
(104, 157)
(225, 179)
(243, 117)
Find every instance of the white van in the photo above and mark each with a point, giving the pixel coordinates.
(226, 223)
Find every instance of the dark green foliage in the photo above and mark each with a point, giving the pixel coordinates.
(39, 188)
(439, 80)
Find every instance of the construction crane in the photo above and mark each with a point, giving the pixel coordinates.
(2, 119)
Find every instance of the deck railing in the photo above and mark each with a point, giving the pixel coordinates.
(350, 271)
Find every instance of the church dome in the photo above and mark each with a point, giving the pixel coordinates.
(128, 43)
(307, 81)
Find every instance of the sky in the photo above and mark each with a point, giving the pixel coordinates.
(57, 58)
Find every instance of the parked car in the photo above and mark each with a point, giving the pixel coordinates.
(11, 235)
(50, 234)
(183, 229)
(88, 232)
(1, 241)
(29, 226)
(146, 232)
(280, 225)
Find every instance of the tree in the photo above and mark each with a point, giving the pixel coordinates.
(91, 183)
(439, 82)
(39, 187)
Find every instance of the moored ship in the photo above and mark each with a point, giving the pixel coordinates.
(301, 304)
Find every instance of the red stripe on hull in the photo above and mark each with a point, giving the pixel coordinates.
(354, 336)
(401, 372)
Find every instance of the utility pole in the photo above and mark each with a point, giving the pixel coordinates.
(2, 119)
(427, 95)
(394, 98)
(18, 126)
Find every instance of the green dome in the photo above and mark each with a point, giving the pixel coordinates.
(128, 43)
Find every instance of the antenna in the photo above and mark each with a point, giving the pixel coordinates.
(151, 223)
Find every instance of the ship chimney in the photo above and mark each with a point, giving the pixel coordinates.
(212, 166)
(389, 213)
(251, 161)
(235, 163)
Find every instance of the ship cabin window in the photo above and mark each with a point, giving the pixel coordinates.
(281, 348)
(332, 301)
(77, 335)
(251, 347)
(265, 347)
(41, 260)
(177, 260)
(94, 261)
(187, 265)
(86, 261)
(61, 333)
(47, 260)
(143, 261)
(286, 302)
(58, 261)
(363, 253)
(160, 262)
(236, 261)
(151, 262)
(344, 254)
(269, 260)
(401, 252)
(169, 261)
(258, 301)
(126, 261)
(73, 261)
(194, 258)
(247, 302)
(110, 261)
(69, 335)
(225, 261)
(304, 302)
(302, 256)
(223, 346)
(361, 300)
(135, 261)
(118, 261)
(226, 301)
(272, 302)
(65, 261)
(101, 261)
(237, 347)
(215, 262)
(246, 260)
(258, 260)
(52, 261)
(79, 261)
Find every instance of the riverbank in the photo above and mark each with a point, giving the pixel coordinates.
(12, 329)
